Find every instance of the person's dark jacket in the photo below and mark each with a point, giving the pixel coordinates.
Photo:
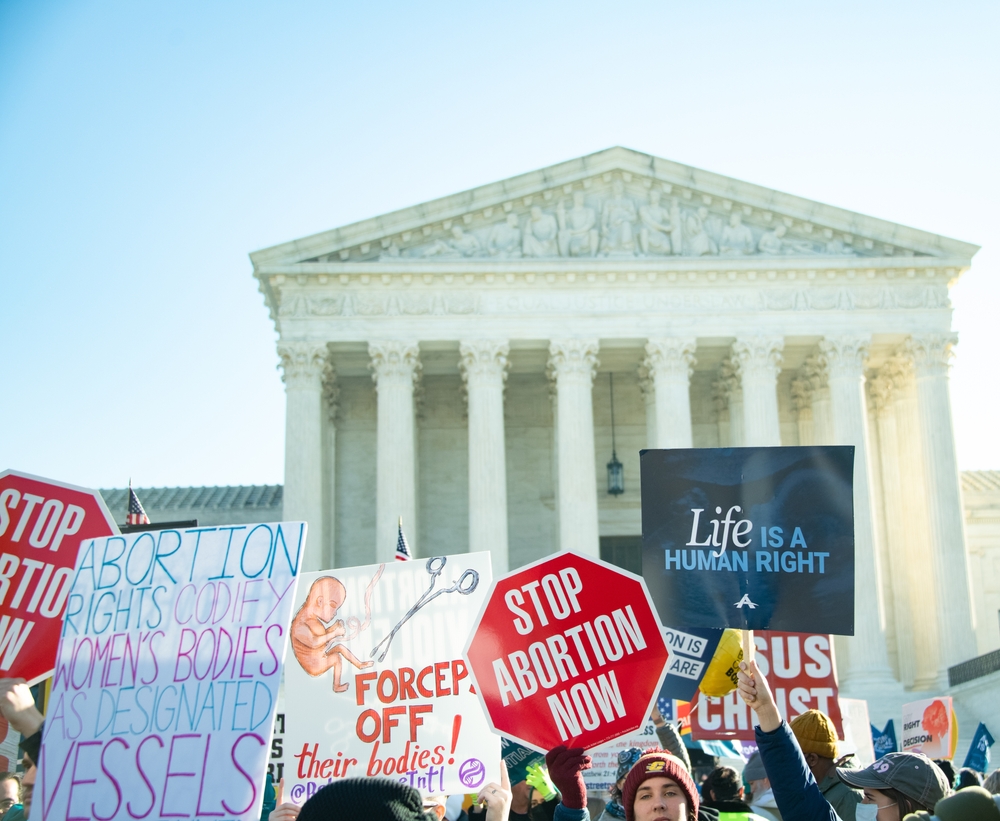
(795, 789)
(843, 798)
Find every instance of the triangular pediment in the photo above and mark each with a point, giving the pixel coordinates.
(615, 204)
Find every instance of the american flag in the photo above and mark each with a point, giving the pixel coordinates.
(403, 553)
(136, 515)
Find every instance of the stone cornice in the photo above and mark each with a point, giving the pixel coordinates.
(583, 265)
(547, 183)
(328, 280)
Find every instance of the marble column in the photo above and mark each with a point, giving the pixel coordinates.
(909, 524)
(758, 359)
(802, 405)
(867, 662)
(649, 401)
(396, 367)
(484, 369)
(913, 471)
(804, 394)
(303, 364)
(956, 621)
(720, 404)
(890, 526)
(730, 382)
(822, 415)
(572, 365)
(669, 362)
(331, 392)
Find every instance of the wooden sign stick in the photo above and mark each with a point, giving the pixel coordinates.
(748, 646)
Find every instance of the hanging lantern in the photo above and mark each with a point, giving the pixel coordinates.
(616, 473)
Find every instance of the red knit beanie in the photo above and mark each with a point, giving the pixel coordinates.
(659, 763)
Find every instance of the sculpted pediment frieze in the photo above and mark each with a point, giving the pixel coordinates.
(640, 218)
(616, 204)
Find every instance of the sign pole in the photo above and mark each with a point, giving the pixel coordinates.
(747, 646)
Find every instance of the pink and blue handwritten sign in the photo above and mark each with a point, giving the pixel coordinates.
(167, 674)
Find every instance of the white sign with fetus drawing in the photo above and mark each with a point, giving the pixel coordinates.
(376, 684)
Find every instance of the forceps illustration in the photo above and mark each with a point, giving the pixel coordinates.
(466, 583)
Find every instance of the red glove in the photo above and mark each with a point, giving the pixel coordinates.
(565, 768)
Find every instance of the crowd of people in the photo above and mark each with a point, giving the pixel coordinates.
(795, 775)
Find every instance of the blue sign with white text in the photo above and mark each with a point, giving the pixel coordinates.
(752, 538)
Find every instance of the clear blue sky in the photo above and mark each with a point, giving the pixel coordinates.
(147, 148)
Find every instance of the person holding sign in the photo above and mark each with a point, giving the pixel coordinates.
(18, 707)
(897, 784)
(658, 787)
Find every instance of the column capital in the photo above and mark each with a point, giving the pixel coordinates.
(931, 353)
(758, 355)
(802, 393)
(393, 359)
(881, 387)
(670, 356)
(884, 386)
(573, 357)
(844, 356)
(484, 357)
(302, 363)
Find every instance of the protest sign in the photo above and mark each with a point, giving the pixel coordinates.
(978, 757)
(929, 727)
(518, 758)
(857, 737)
(42, 523)
(884, 741)
(604, 759)
(751, 538)
(276, 760)
(801, 671)
(167, 675)
(377, 684)
(567, 650)
(691, 650)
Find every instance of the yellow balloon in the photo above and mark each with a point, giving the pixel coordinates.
(720, 677)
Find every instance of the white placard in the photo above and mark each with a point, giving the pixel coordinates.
(167, 675)
(376, 684)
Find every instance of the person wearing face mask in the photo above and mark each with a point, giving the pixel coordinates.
(896, 785)
(761, 798)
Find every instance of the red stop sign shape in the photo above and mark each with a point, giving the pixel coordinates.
(568, 650)
(42, 524)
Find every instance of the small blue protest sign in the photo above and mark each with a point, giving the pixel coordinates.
(751, 538)
(979, 751)
(518, 759)
(884, 741)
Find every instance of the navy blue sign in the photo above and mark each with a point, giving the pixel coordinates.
(884, 741)
(518, 759)
(691, 649)
(979, 751)
(752, 538)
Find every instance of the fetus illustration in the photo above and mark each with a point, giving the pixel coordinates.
(318, 635)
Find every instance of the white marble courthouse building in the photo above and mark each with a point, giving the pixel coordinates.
(451, 363)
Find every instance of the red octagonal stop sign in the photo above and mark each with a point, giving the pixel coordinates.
(42, 524)
(567, 650)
